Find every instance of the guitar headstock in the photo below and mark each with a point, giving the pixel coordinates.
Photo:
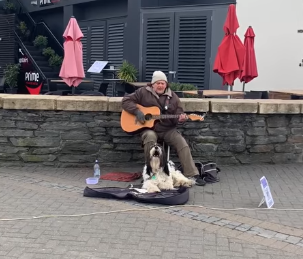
(195, 117)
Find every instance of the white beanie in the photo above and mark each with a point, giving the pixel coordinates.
(157, 76)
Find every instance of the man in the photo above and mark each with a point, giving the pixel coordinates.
(159, 94)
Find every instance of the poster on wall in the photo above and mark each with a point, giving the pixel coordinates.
(30, 81)
(43, 3)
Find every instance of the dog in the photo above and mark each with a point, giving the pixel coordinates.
(160, 174)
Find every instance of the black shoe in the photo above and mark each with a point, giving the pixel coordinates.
(199, 180)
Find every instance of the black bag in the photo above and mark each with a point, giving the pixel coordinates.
(170, 197)
(208, 171)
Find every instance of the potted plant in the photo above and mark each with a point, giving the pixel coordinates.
(55, 61)
(9, 7)
(178, 88)
(48, 52)
(40, 42)
(127, 72)
(11, 74)
(23, 30)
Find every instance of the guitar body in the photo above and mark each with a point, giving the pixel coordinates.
(129, 121)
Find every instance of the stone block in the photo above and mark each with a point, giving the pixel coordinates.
(35, 142)
(273, 106)
(45, 151)
(9, 157)
(274, 121)
(278, 131)
(1, 99)
(11, 149)
(70, 158)
(79, 147)
(38, 158)
(115, 104)
(261, 148)
(233, 106)
(194, 105)
(29, 102)
(82, 103)
(75, 135)
(15, 133)
(256, 131)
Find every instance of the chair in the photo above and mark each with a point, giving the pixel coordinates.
(166, 148)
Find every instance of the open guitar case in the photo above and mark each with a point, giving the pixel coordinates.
(170, 197)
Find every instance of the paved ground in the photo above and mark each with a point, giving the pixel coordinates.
(179, 232)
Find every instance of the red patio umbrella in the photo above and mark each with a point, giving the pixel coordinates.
(72, 70)
(229, 60)
(250, 70)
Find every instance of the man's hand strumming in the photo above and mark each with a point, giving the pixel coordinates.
(140, 116)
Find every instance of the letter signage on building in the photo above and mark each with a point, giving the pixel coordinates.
(30, 81)
(43, 3)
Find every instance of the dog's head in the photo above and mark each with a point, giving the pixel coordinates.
(157, 158)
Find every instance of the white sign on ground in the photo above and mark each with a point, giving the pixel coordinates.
(267, 197)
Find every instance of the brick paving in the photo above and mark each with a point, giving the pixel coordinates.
(178, 232)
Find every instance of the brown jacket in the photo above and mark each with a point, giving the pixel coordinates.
(147, 97)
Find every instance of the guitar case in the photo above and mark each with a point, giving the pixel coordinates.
(170, 197)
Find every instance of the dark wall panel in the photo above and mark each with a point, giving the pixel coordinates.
(160, 3)
(54, 20)
(7, 42)
(102, 10)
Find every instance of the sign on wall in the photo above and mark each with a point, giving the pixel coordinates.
(30, 81)
(43, 3)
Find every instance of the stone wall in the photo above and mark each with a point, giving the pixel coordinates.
(74, 131)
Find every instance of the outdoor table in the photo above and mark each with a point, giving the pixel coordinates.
(215, 93)
(62, 81)
(285, 94)
(138, 84)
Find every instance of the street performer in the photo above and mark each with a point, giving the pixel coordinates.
(159, 94)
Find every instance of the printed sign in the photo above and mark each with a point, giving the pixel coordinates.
(43, 3)
(267, 197)
(29, 81)
(97, 67)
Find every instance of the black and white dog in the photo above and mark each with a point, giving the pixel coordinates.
(160, 174)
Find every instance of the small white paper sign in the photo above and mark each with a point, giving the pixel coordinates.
(97, 67)
(266, 192)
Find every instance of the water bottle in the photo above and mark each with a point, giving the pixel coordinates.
(97, 169)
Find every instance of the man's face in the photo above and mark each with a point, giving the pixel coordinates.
(159, 86)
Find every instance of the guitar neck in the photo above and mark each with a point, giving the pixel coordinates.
(165, 116)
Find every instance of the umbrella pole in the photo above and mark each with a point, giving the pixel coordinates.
(73, 90)
(243, 86)
(229, 89)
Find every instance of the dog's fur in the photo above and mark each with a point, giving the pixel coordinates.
(160, 174)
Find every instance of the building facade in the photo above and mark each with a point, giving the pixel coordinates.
(179, 37)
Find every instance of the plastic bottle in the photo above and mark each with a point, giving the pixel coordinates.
(97, 169)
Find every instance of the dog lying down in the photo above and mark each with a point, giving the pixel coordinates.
(160, 174)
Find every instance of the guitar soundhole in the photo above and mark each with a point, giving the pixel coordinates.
(148, 117)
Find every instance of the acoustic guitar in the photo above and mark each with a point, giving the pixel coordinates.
(130, 124)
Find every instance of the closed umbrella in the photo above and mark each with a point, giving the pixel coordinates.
(250, 70)
(229, 60)
(72, 70)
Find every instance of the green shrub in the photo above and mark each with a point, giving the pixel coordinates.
(40, 41)
(55, 61)
(128, 72)
(48, 52)
(11, 73)
(183, 87)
